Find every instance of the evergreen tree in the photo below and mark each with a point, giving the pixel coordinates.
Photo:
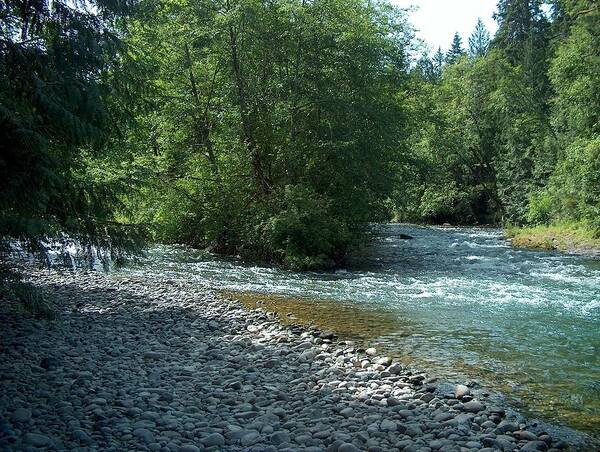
(479, 41)
(59, 70)
(426, 68)
(519, 21)
(438, 62)
(456, 50)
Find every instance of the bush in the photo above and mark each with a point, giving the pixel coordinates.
(303, 233)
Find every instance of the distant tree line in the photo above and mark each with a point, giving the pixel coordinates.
(508, 130)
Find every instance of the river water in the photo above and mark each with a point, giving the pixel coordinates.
(457, 301)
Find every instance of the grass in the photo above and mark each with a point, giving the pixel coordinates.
(574, 237)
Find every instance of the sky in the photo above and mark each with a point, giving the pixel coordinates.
(436, 21)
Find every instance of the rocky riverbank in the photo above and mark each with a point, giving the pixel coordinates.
(169, 365)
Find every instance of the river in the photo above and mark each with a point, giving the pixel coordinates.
(458, 301)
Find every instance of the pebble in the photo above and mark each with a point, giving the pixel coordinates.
(461, 390)
(21, 415)
(146, 364)
(36, 440)
(347, 447)
(215, 439)
(473, 406)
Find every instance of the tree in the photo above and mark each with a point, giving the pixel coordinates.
(573, 192)
(277, 124)
(60, 72)
(426, 68)
(479, 41)
(523, 34)
(456, 50)
(438, 62)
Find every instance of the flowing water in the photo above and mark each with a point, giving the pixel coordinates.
(458, 301)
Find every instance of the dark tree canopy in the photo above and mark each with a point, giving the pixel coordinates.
(58, 61)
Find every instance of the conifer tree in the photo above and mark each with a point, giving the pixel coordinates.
(456, 50)
(438, 62)
(57, 60)
(479, 41)
(426, 68)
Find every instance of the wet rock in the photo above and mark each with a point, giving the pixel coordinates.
(395, 369)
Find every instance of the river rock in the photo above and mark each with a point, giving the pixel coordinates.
(347, 447)
(534, 446)
(395, 369)
(388, 426)
(21, 415)
(37, 440)
(143, 369)
(460, 391)
(473, 406)
(214, 439)
(189, 448)
(525, 435)
(144, 434)
(347, 412)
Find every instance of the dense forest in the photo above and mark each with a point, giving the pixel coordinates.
(280, 129)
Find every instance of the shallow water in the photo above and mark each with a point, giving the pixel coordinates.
(460, 301)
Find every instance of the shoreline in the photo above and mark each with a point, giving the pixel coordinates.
(172, 365)
(564, 239)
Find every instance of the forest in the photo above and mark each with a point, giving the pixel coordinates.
(279, 130)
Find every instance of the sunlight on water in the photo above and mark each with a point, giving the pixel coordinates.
(458, 299)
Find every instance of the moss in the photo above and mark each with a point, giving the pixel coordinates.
(571, 237)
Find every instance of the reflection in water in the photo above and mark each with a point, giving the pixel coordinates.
(458, 300)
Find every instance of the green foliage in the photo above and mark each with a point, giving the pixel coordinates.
(511, 135)
(276, 127)
(59, 70)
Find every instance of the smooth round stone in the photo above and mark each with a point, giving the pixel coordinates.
(348, 447)
(21, 415)
(460, 391)
(189, 448)
(388, 426)
(347, 412)
(37, 440)
(81, 436)
(144, 434)
(473, 406)
(280, 437)
(214, 439)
